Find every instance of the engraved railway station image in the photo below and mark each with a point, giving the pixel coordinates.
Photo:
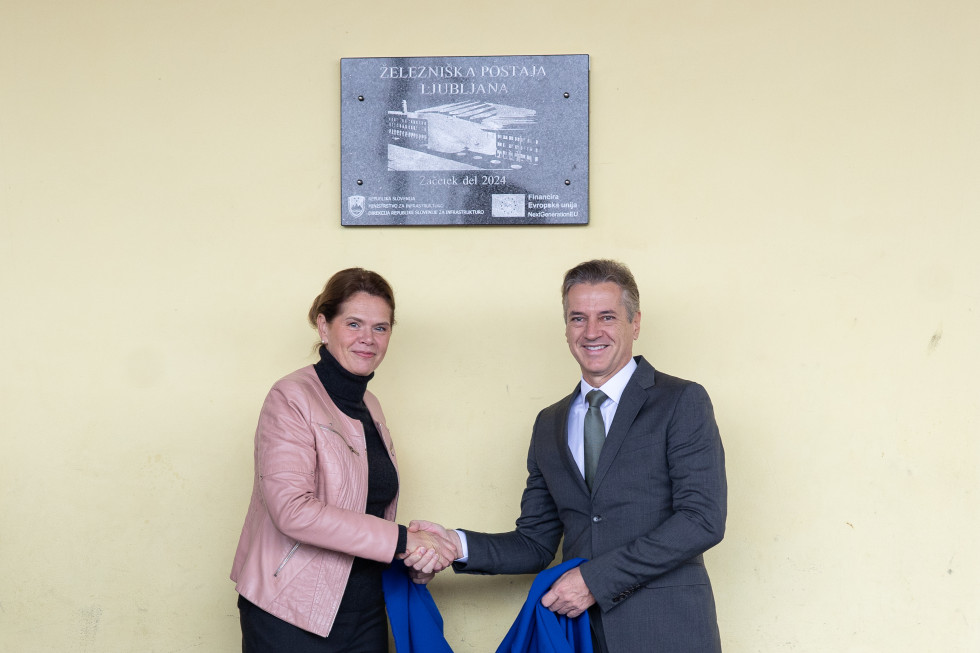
(467, 135)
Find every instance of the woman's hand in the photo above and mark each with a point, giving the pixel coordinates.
(421, 565)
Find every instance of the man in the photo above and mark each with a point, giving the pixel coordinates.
(635, 484)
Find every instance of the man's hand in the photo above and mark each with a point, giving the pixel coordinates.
(569, 595)
(440, 532)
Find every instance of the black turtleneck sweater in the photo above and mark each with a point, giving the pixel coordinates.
(347, 389)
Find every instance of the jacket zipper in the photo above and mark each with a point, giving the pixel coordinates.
(286, 559)
(342, 437)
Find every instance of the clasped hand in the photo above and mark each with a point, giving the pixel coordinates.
(430, 549)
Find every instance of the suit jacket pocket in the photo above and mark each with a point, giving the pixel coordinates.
(690, 573)
(637, 445)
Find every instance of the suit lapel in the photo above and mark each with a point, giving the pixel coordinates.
(561, 438)
(634, 396)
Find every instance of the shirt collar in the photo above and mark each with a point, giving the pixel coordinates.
(613, 388)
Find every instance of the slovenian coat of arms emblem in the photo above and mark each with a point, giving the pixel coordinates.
(355, 205)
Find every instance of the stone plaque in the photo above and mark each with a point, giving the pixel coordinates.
(465, 140)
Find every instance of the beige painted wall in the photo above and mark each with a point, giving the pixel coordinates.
(795, 185)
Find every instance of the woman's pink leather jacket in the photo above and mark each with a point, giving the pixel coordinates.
(306, 520)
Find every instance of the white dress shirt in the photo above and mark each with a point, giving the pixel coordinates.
(613, 388)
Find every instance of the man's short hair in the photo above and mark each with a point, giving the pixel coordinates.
(601, 271)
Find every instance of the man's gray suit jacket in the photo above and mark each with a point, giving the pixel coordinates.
(658, 502)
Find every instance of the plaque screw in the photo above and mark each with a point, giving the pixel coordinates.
(360, 182)
(360, 98)
(566, 95)
(568, 182)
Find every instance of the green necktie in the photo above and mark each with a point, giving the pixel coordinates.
(595, 433)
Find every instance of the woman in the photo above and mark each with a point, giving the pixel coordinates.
(319, 529)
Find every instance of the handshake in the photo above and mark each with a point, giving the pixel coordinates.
(430, 548)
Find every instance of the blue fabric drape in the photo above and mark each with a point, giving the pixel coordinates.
(415, 621)
(539, 630)
(417, 627)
